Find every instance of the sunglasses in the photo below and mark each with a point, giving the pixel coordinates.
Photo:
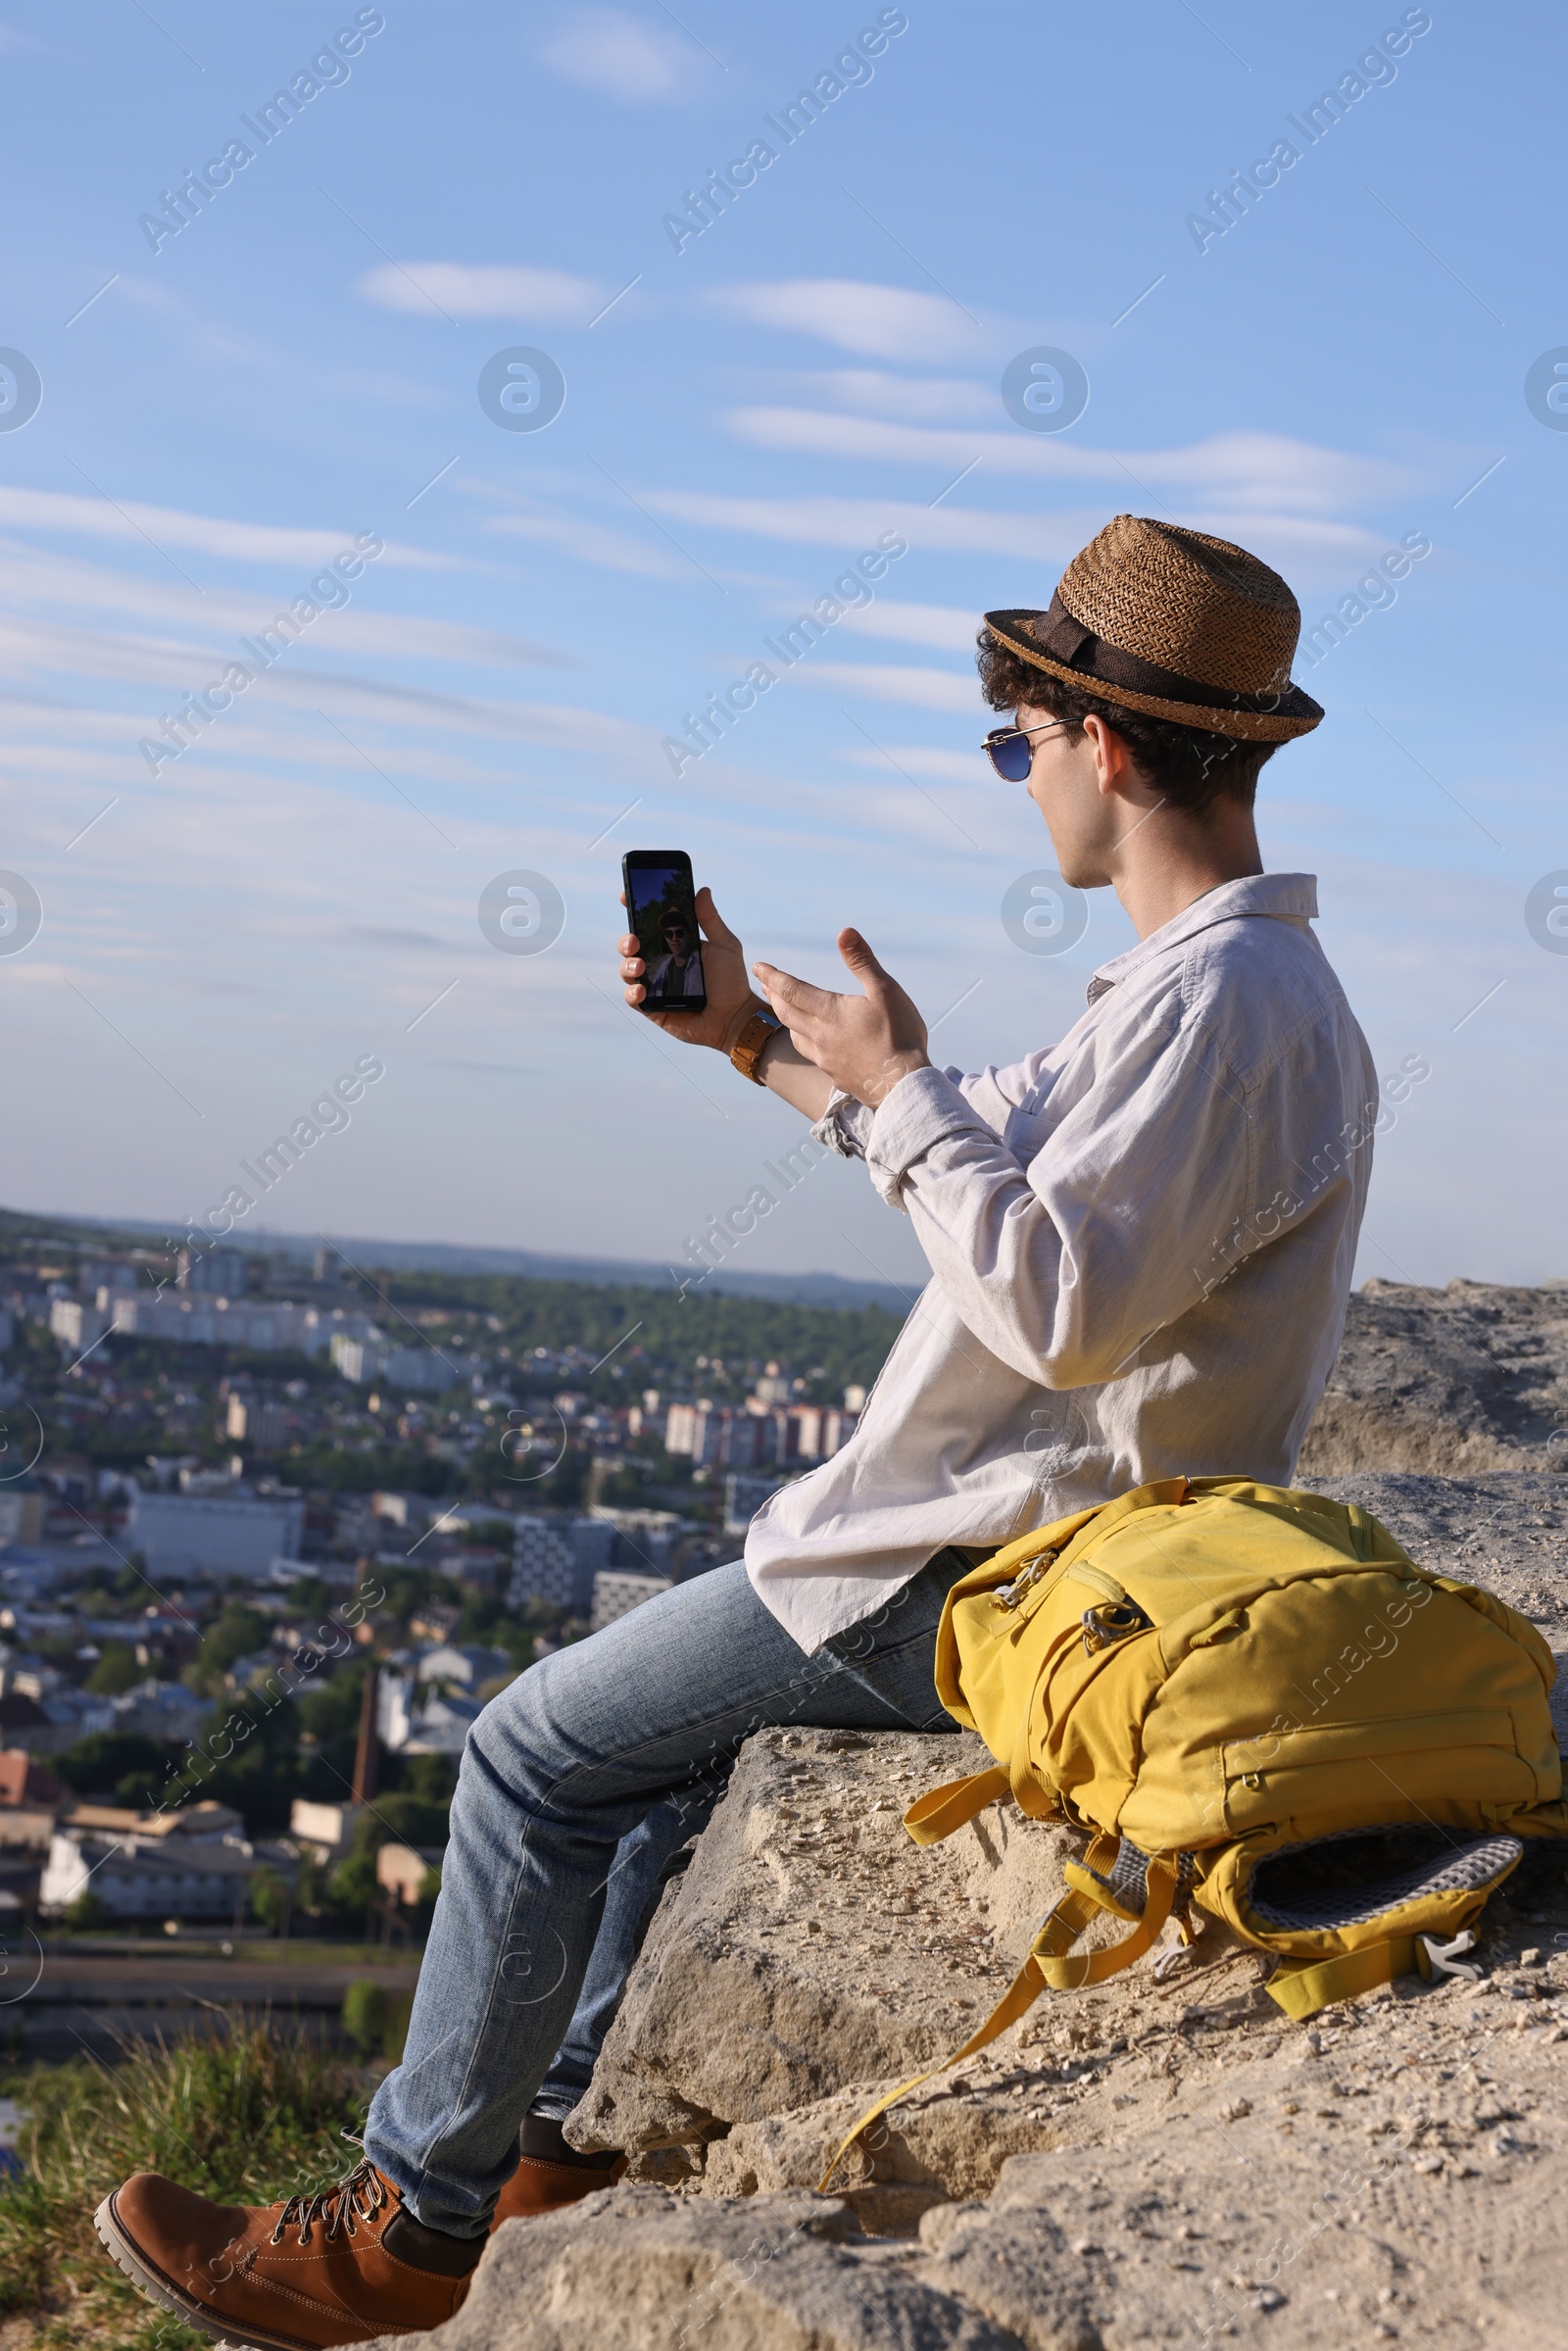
(1011, 751)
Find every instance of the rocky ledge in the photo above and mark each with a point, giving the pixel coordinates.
(1473, 1377)
(1163, 2160)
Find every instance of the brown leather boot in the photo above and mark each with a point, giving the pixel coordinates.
(550, 2173)
(315, 2270)
(537, 2186)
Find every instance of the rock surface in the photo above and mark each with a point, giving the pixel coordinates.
(1473, 1377)
(811, 1945)
(634, 2268)
(1161, 2160)
(1391, 2174)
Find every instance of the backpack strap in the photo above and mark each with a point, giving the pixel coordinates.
(941, 1810)
(1051, 1961)
(1051, 1951)
(1301, 1987)
(1363, 1531)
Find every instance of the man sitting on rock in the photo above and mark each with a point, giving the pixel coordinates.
(1141, 1242)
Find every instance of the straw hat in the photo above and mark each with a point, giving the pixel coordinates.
(1173, 623)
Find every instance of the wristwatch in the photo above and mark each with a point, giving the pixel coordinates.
(753, 1041)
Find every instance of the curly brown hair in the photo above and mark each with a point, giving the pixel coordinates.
(1192, 766)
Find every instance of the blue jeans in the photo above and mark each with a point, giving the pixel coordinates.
(578, 1785)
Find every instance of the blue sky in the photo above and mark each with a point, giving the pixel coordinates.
(228, 404)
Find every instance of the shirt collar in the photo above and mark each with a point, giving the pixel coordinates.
(1286, 897)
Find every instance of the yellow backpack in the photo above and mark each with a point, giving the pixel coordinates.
(1262, 1705)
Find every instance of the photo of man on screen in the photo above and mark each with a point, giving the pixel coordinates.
(678, 971)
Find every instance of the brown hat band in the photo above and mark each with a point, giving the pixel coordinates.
(1090, 658)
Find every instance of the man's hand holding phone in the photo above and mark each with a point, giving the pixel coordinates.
(731, 998)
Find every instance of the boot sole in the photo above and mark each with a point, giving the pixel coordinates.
(126, 2255)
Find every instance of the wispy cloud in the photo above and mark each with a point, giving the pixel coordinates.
(875, 322)
(875, 392)
(80, 700)
(589, 542)
(290, 696)
(926, 689)
(624, 58)
(920, 758)
(402, 942)
(556, 726)
(945, 628)
(207, 534)
(824, 521)
(15, 43)
(485, 290)
(1252, 469)
(1305, 545)
(36, 581)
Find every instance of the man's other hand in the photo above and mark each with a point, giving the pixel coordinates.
(865, 1044)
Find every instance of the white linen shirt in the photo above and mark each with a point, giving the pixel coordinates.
(1140, 1243)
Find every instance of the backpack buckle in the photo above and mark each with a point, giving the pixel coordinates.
(1112, 1620)
(1011, 1595)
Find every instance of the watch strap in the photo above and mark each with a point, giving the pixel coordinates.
(750, 1045)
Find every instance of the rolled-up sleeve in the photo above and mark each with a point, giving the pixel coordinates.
(844, 1126)
(1063, 1266)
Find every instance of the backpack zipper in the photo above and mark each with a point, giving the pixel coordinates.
(1011, 1595)
(1112, 1620)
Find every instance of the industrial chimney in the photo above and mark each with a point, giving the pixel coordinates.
(368, 1752)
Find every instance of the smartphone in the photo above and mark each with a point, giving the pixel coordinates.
(661, 908)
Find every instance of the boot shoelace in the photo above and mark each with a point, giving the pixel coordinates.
(361, 2194)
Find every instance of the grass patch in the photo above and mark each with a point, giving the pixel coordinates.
(248, 2114)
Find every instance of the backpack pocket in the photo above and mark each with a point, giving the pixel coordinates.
(1400, 1767)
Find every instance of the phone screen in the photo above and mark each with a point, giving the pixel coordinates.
(661, 908)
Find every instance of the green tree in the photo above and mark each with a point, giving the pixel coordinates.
(404, 1590)
(270, 1899)
(310, 1887)
(490, 1531)
(404, 1818)
(837, 1343)
(395, 2035)
(365, 2008)
(329, 1727)
(87, 1914)
(308, 1594)
(233, 1633)
(115, 1671)
(132, 1582)
(111, 1762)
(353, 1887)
(397, 1818)
(430, 1777)
(487, 1618)
(252, 1747)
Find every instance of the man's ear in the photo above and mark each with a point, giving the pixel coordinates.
(1114, 767)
